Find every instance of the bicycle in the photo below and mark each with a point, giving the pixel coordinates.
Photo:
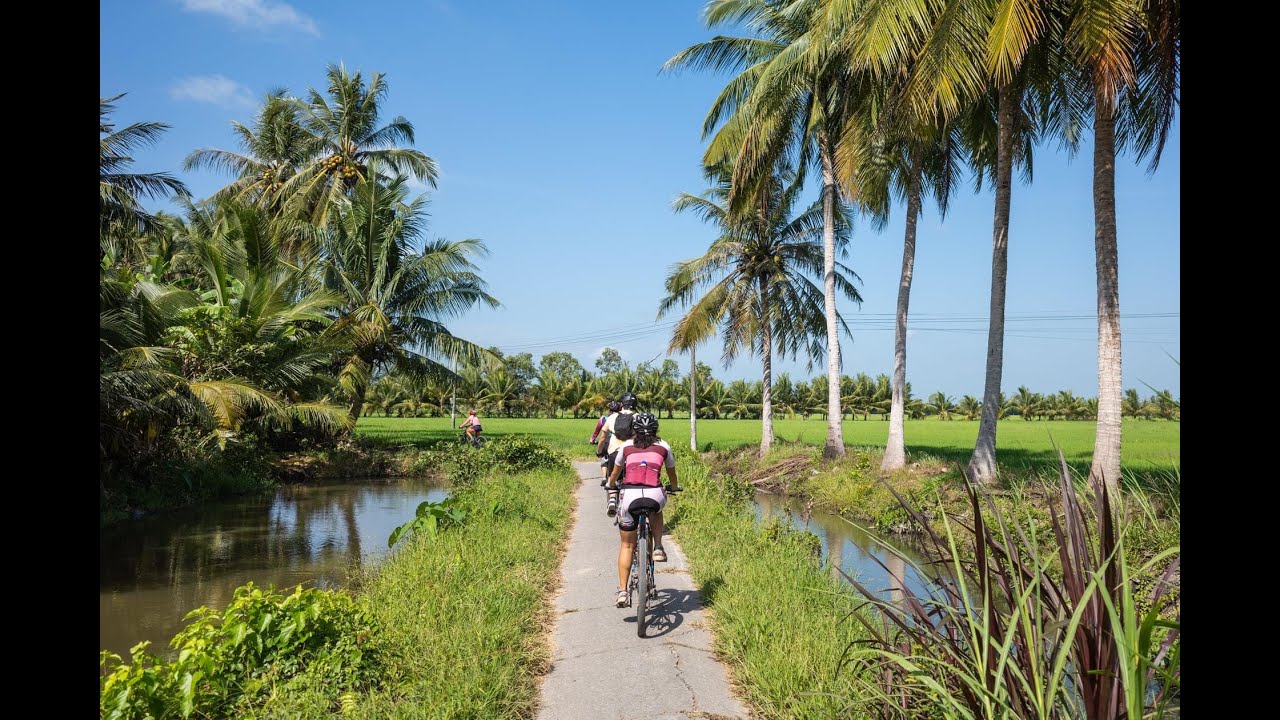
(640, 584)
(476, 442)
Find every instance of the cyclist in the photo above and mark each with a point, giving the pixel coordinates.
(599, 442)
(627, 406)
(643, 458)
(471, 425)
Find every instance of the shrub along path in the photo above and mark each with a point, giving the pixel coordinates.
(600, 668)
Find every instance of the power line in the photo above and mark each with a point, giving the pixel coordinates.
(866, 322)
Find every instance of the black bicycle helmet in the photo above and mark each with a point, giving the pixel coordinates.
(644, 424)
(628, 400)
(614, 406)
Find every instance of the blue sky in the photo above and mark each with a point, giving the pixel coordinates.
(562, 147)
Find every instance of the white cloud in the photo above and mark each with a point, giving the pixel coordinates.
(215, 89)
(255, 13)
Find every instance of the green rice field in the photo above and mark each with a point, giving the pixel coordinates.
(1148, 444)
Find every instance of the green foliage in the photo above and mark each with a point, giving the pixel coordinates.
(264, 644)
(508, 454)
(781, 530)
(430, 518)
(1009, 631)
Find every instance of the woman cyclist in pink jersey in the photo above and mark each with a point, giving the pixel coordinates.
(642, 459)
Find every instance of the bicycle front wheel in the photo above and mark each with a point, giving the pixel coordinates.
(642, 575)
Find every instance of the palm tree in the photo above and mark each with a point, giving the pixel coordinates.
(1131, 55)
(350, 146)
(501, 390)
(924, 158)
(963, 60)
(1133, 405)
(754, 281)
(262, 320)
(882, 395)
(552, 389)
(715, 399)
(744, 399)
(119, 192)
(969, 407)
(790, 99)
(273, 148)
(1026, 403)
(395, 297)
(942, 404)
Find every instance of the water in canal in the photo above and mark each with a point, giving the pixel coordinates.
(849, 546)
(155, 570)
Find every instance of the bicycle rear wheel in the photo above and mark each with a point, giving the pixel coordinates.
(642, 574)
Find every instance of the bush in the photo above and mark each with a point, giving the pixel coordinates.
(264, 644)
(509, 454)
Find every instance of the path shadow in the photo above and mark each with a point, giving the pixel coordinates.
(667, 611)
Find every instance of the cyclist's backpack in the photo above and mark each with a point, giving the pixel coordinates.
(643, 465)
(622, 426)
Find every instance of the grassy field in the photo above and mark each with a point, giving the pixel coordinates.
(1148, 445)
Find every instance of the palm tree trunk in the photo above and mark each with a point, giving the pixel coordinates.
(357, 403)
(1106, 449)
(693, 400)
(766, 388)
(895, 451)
(835, 427)
(982, 466)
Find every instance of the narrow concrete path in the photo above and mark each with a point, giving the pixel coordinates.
(600, 669)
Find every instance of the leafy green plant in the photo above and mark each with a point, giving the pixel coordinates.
(231, 661)
(429, 519)
(509, 454)
(1002, 634)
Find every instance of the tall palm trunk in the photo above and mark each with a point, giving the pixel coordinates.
(835, 427)
(895, 452)
(982, 466)
(766, 389)
(693, 400)
(1106, 449)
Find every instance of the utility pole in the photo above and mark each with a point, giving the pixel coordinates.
(453, 396)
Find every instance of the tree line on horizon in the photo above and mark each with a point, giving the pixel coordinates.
(557, 385)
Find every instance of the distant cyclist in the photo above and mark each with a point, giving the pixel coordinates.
(471, 425)
(643, 457)
(619, 431)
(601, 443)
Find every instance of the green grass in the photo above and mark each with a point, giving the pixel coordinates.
(466, 610)
(1148, 445)
(781, 621)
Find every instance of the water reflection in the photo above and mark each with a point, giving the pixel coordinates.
(851, 547)
(155, 570)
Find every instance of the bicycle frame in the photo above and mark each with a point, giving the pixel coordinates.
(638, 586)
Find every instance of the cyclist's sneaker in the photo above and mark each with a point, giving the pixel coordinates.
(622, 599)
(613, 503)
(659, 555)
